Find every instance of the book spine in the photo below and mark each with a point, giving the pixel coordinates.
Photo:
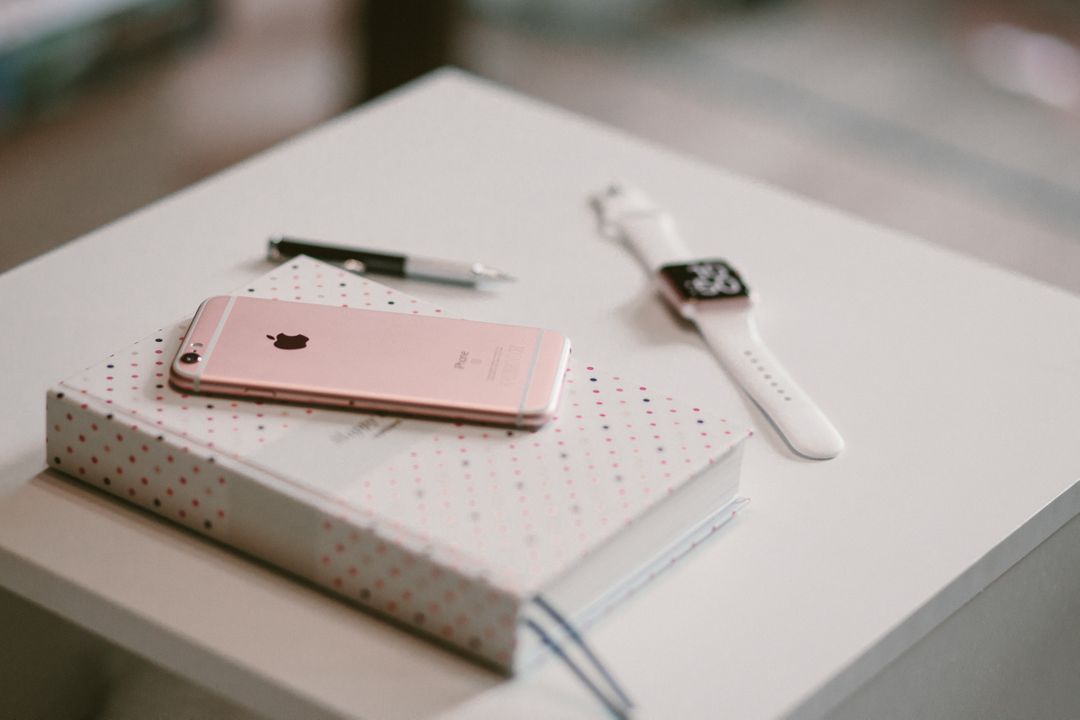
(224, 499)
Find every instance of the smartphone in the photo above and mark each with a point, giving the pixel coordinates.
(370, 360)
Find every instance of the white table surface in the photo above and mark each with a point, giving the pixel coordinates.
(954, 383)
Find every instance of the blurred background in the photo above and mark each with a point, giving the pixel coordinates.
(957, 121)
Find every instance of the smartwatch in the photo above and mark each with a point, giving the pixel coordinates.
(711, 294)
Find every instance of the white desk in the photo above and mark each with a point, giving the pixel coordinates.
(955, 384)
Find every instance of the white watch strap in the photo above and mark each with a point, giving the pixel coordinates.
(728, 329)
(655, 240)
(651, 234)
(734, 340)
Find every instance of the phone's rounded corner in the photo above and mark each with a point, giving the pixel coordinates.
(565, 348)
(556, 346)
(180, 384)
(537, 418)
(218, 299)
(213, 306)
(183, 376)
(541, 407)
(197, 340)
(180, 380)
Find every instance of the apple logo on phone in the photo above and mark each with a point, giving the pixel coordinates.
(289, 342)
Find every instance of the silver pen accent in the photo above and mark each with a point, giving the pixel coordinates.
(365, 261)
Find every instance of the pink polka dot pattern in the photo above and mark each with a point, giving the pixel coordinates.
(524, 505)
(184, 483)
(450, 533)
(452, 602)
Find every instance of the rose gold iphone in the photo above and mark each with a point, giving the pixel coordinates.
(364, 359)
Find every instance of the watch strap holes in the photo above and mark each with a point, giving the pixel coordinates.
(766, 374)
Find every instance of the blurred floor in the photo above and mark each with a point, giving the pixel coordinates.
(872, 107)
(269, 70)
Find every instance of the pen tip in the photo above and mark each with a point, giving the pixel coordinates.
(485, 272)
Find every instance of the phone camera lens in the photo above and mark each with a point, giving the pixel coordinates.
(190, 358)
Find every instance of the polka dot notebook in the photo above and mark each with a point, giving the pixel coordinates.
(449, 529)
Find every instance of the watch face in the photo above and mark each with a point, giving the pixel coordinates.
(705, 280)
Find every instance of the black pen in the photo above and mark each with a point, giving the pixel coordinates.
(370, 261)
